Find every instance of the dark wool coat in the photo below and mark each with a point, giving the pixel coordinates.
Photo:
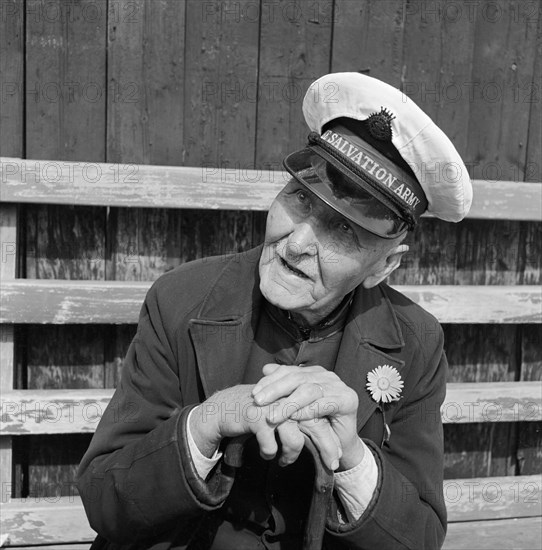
(137, 480)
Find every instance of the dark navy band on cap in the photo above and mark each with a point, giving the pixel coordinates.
(373, 169)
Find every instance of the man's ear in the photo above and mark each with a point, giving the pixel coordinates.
(386, 266)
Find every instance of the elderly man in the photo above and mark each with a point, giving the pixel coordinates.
(298, 338)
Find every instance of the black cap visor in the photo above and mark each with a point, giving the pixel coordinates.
(333, 183)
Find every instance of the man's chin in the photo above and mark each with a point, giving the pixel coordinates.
(283, 297)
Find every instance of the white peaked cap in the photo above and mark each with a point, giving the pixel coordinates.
(421, 143)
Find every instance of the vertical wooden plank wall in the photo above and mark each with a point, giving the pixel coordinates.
(219, 84)
(65, 120)
(530, 440)
(11, 144)
(221, 58)
(144, 125)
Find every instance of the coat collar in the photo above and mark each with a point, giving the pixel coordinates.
(226, 323)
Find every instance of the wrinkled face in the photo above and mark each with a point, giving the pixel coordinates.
(313, 256)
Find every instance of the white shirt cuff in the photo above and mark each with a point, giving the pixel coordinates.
(202, 464)
(356, 486)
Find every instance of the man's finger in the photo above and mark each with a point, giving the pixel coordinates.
(284, 386)
(325, 440)
(267, 442)
(292, 441)
(320, 408)
(273, 372)
(279, 372)
(270, 368)
(305, 397)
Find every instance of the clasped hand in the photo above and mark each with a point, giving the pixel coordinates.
(289, 401)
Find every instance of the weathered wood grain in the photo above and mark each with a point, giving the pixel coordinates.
(8, 271)
(368, 37)
(79, 411)
(221, 114)
(12, 100)
(485, 449)
(431, 256)
(53, 462)
(451, 88)
(63, 520)
(135, 185)
(502, 200)
(476, 304)
(46, 521)
(295, 49)
(492, 402)
(40, 412)
(531, 98)
(479, 354)
(516, 534)
(66, 93)
(529, 446)
(221, 72)
(12, 71)
(73, 546)
(145, 92)
(145, 125)
(500, 90)
(35, 520)
(65, 79)
(476, 499)
(501, 79)
(489, 252)
(115, 351)
(77, 364)
(91, 302)
(116, 302)
(482, 353)
(142, 243)
(423, 57)
(65, 242)
(222, 49)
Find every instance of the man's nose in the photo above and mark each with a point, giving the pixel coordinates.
(302, 241)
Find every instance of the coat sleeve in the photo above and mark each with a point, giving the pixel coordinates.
(137, 480)
(407, 510)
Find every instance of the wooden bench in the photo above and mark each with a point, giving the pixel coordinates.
(483, 512)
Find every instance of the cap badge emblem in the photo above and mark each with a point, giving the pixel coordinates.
(379, 125)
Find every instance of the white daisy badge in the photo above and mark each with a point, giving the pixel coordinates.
(384, 384)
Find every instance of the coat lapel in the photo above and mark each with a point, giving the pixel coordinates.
(222, 349)
(371, 330)
(223, 331)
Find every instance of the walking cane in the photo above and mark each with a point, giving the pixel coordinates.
(321, 491)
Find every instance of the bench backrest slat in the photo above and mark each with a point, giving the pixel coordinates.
(89, 302)
(133, 185)
(62, 411)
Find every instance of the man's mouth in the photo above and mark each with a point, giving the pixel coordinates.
(291, 268)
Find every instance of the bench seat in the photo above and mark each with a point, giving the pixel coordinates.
(504, 534)
(62, 520)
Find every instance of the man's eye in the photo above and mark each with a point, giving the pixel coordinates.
(345, 228)
(302, 196)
